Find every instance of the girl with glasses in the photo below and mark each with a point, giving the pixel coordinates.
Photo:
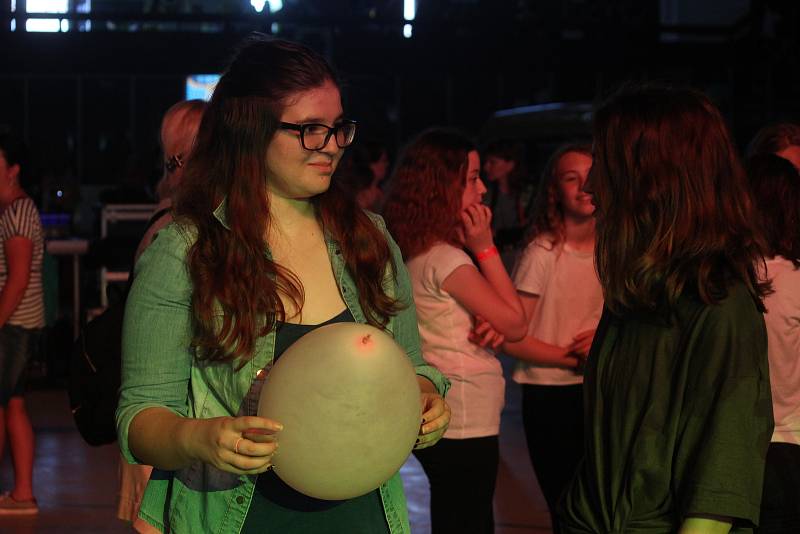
(264, 248)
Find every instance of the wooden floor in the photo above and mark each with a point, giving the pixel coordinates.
(76, 485)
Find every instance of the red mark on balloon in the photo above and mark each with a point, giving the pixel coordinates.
(365, 344)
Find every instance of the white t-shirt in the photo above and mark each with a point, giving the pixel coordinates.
(783, 335)
(570, 301)
(477, 389)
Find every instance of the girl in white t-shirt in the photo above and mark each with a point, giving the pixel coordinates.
(776, 190)
(562, 297)
(434, 211)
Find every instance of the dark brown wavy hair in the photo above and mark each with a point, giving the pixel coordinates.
(674, 212)
(774, 138)
(548, 213)
(776, 190)
(424, 201)
(236, 286)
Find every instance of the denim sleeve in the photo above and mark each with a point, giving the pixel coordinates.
(406, 331)
(156, 358)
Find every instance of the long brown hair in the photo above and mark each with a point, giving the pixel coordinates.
(674, 211)
(424, 202)
(548, 213)
(229, 162)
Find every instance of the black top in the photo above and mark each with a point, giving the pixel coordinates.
(678, 418)
(277, 508)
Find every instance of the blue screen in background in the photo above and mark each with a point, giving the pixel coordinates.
(200, 86)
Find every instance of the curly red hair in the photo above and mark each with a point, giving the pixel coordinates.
(424, 203)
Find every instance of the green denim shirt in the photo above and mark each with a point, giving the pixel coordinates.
(159, 370)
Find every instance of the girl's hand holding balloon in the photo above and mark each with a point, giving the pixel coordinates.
(435, 418)
(241, 445)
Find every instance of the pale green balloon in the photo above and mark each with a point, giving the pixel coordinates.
(349, 401)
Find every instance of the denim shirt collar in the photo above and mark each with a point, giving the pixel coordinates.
(221, 214)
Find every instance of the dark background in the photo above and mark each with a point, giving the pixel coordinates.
(89, 102)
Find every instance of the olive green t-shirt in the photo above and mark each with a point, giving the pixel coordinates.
(678, 418)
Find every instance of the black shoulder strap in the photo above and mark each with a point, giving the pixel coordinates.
(154, 219)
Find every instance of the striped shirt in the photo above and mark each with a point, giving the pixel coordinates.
(21, 218)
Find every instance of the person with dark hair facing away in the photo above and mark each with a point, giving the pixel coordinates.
(21, 319)
(563, 300)
(678, 409)
(504, 169)
(781, 139)
(362, 170)
(434, 209)
(776, 188)
(264, 248)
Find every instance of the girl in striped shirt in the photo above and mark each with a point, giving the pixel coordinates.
(21, 317)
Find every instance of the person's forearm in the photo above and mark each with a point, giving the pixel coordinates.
(161, 438)
(702, 525)
(10, 296)
(495, 273)
(532, 350)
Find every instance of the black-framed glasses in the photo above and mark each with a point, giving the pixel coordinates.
(315, 136)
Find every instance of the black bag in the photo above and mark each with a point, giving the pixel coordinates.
(95, 368)
(94, 376)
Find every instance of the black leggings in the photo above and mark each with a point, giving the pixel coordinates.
(462, 475)
(553, 421)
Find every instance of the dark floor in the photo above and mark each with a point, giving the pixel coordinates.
(76, 485)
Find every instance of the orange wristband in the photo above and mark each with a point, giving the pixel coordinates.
(487, 253)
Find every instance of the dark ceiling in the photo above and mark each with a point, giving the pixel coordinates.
(91, 100)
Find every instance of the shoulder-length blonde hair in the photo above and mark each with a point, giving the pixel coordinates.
(674, 212)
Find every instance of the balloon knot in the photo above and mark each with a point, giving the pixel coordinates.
(366, 339)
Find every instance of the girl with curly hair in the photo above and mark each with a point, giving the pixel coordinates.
(435, 212)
